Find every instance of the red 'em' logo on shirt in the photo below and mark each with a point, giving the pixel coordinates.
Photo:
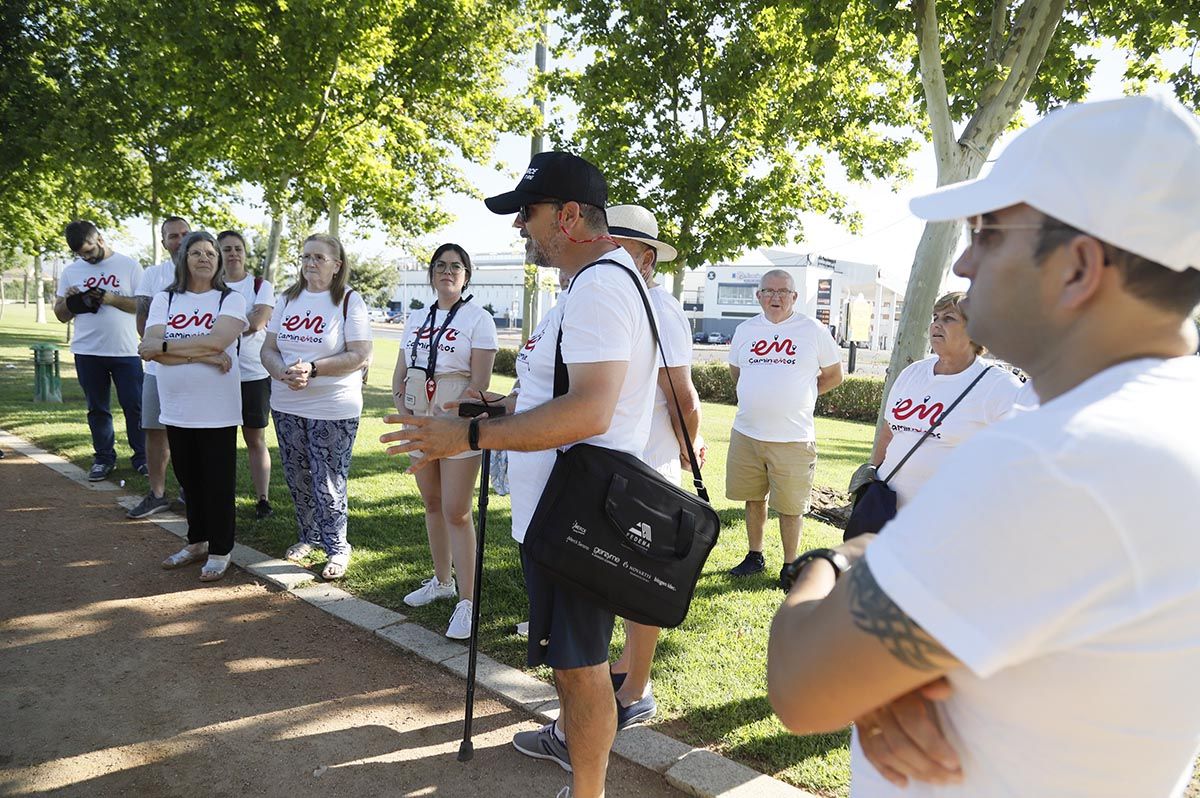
(425, 334)
(314, 324)
(181, 321)
(906, 409)
(764, 347)
(532, 342)
(104, 280)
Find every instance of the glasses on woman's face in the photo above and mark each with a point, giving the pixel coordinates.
(775, 293)
(200, 254)
(448, 268)
(315, 257)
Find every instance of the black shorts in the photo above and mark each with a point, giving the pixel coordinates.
(565, 630)
(256, 403)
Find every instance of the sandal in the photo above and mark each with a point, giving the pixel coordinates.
(297, 552)
(193, 552)
(215, 567)
(336, 567)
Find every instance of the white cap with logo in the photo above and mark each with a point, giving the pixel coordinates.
(1126, 171)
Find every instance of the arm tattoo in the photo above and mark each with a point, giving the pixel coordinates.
(878, 616)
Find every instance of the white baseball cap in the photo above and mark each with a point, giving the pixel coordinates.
(1126, 171)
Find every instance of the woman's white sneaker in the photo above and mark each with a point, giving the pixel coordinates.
(460, 621)
(431, 590)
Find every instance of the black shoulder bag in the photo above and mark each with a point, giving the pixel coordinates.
(612, 529)
(875, 502)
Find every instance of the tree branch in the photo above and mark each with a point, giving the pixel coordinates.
(999, 18)
(933, 80)
(1028, 43)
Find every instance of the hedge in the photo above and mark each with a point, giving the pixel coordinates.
(857, 399)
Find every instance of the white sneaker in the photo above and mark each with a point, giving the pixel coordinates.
(460, 621)
(431, 590)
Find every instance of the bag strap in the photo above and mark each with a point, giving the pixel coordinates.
(562, 381)
(937, 423)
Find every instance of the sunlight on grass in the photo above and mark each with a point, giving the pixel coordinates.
(710, 674)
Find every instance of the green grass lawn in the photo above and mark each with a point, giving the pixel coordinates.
(710, 673)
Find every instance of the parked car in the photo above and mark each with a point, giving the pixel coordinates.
(700, 338)
(377, 314)
(717, 338)
(397, 317)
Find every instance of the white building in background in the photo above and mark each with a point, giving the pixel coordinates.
(497, 280)
(715, 298)
(719, 297)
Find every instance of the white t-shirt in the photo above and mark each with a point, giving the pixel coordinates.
(919, 396)
(154, 279)
(603, 320)
(472, 328)
(777, 386)
(309, 328)
(250, 361)
(109, 332)
(662, 448)
(197, 395)
(1055, 555)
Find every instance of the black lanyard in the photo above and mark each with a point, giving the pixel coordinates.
(431, 362)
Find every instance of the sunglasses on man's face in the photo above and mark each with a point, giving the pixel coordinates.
(524, 212)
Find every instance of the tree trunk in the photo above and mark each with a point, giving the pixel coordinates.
(25, 288)
(335, 214)
(273, 245)
(154, 236)
(40, 288)
(529, 301)
(677, 283)
(962, 159)
(1, 295)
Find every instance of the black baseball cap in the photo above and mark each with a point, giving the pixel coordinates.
(554, 176)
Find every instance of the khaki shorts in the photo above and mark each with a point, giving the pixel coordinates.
(450, 386)
(782, 473)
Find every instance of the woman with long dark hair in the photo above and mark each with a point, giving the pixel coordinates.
(446, 352)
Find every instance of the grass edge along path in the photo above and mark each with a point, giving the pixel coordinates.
(710, 673)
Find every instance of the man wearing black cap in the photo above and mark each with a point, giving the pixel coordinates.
(611, 362)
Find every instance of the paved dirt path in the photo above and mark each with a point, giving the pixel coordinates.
(119, 678)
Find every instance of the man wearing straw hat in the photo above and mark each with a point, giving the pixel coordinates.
(636, 230)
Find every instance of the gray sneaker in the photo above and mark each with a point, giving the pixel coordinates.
(149, 506)
(543, 744)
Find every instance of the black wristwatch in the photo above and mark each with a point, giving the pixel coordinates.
(312, 371)
(835, 558)
(473, 434)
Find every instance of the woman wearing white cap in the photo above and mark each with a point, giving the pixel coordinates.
(446, 352)
(636, 230)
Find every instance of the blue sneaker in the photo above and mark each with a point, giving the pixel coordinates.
(543, 744)
(639, 711)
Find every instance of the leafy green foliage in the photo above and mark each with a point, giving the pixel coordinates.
(506, 362)
(373, 278)
(714, 115)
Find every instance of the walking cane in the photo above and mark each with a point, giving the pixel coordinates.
(467, 749)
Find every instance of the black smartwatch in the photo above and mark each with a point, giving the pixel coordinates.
(835, 558)
(473, 434)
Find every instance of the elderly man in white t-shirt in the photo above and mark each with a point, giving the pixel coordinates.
(96, 292)
(1043, 581)
(781, 361)
(158, 452)
(611, 367)
(636, 230)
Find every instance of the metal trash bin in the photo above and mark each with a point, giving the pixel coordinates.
(47, 381)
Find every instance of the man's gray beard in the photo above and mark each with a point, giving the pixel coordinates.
(536, 255)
